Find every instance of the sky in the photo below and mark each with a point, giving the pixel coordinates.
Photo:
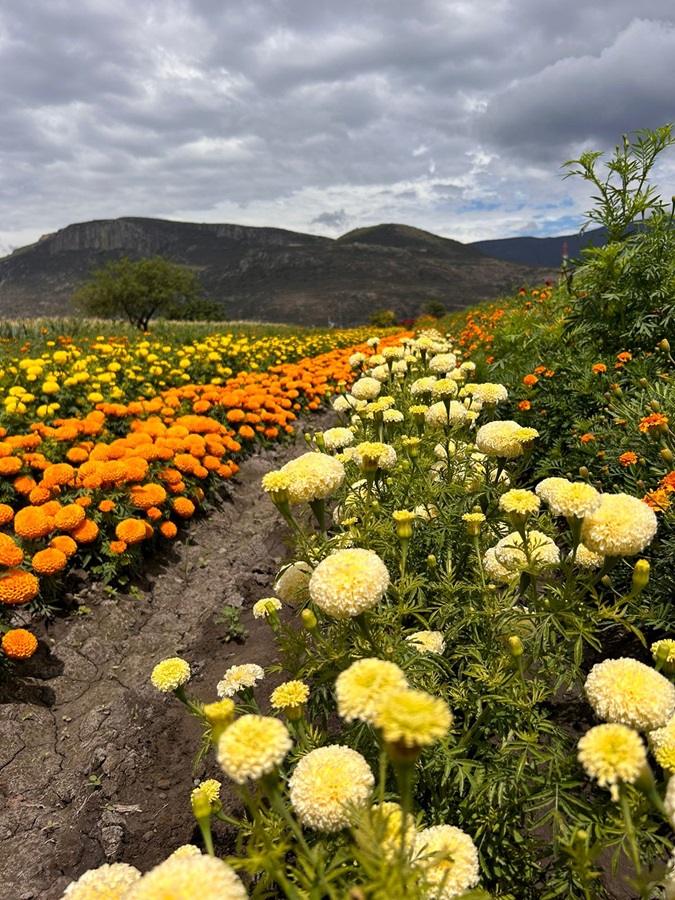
(319, 116)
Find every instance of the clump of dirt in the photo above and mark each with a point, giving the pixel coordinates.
(95, 764)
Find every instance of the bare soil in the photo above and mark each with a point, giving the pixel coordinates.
(95, 764)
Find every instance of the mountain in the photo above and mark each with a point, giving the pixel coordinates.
(268, 274)
(531, 251)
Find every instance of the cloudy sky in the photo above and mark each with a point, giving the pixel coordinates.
(451, 115)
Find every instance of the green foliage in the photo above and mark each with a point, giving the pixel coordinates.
(435, 308)
(383, 318)
(137, 291)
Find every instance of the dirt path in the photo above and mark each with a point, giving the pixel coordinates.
(95, 765)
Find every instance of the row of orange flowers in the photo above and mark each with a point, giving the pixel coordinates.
(124, 475)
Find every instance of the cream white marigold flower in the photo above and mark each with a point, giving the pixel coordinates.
(185, 850)
(341, 404)
(276, 482)
(442, 363)
(170, 674)
(292, 582)
(489, 394)
(187, 877)
(588, 559)
(313, 476)
(349, 582)
(669, 801)
(427, 641)
(366, 388)
(500, 439)
(621, 526)
(613, 754)
(438, 415)
(627, 691)
(412, 719)
(380, 373)
(519, 501)
(238, 677)
(444, 389)
(392, 417)
(337, 438)
(263, 608)
(572, 499)
(327, 784)
(389, 815)
(423, 385)
(356, 360)
(108, 882)
(662, 745)
(374, 454)
(449, 858)
(360, 688)
(252, 747)
(495, 571)
(510, 552)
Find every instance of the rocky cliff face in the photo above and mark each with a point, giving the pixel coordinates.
(267, 273)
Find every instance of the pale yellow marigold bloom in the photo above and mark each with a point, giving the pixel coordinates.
(337, 438)
(313, 476)
(412, 718)
(108, 882)
(588, 559)
(519, 501)
(488, 394)
(621, 526)
(349, 582)
(627, 691)
(274, 482)
(184, 851)
(290, 693)
(510, 552)
(390, 816)
(495, 571)
(327, 784)
(427, 641)
(360, 688)
(292, 583)
(572, 499)
(500, 439)
(366, 388)
(374, 454)
(662, 745)
(263, 608)
(613, 754)
(238, 677)
(187, 877)
(170, 674)
(209, 789)
(449, 858)
(438, 415)
(252, 747)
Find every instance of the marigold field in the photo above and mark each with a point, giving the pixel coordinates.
(473, 694)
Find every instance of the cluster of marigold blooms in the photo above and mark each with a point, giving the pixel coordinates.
(75, 485)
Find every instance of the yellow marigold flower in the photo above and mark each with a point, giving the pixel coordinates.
(263, 608)
(18, 643)
(18, 586)
(449, 858)
(252, 747)
(360, 688)
(665, 652)
(627, 691)
(238, 677)
(489, 394)
(444, 389)
(519, 501)
(588, 559)
(186, 850)
(372, 455)
(621, 526)
(442, 363)
(337, 438)
(662, 745)
(327, 784)
(412, 719)
(10, 553)
(290, 693)
(312, 476)
(49, 561)
(108, 882)
(388, 820)
(499, 439)
(210, 790)
(292, 583)
(427, 641)
(187, 877)
(572, 499)
(219, 714)
(170, 674)
(613, 754)
(349, 582)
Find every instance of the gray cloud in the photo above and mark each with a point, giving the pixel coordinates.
(450, 116)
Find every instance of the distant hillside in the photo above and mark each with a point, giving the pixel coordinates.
(531, 251)
(267, 273)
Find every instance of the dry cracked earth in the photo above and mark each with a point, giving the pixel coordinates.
(95, 764)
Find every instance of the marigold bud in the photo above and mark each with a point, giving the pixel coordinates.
(663, 346)
(201, 805)
(309, 621)
(643, 383)
(431, 562)
(640, 575)
(667, 456)
(655, 405)
(515, 646)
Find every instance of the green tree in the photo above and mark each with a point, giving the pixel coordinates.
(435, 308)
(137, 290)
(383, 318)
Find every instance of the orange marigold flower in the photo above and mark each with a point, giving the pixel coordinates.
(6, 513)
(84, 502)
(86, 532)
(18, 644)
(18, 586)
(183, 507)
(530, 380)
(599, 368)
(32, 523)
(168, 530)
(658, 500)
(24, 484)
(654, 424)
(539, 370)
(246, 432)
(131, 531)
(58, 473)
(587, 438)
(524, 405)
(65, 544)
(69, 517)
(77, 455)
(625, 357)
(145, 496)
(668, 481)
(106, 506)
(49, 561)
(154, 513)
(11, 554)
(10, 465)
(628, 459)
(117, 546)
(39, 495)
